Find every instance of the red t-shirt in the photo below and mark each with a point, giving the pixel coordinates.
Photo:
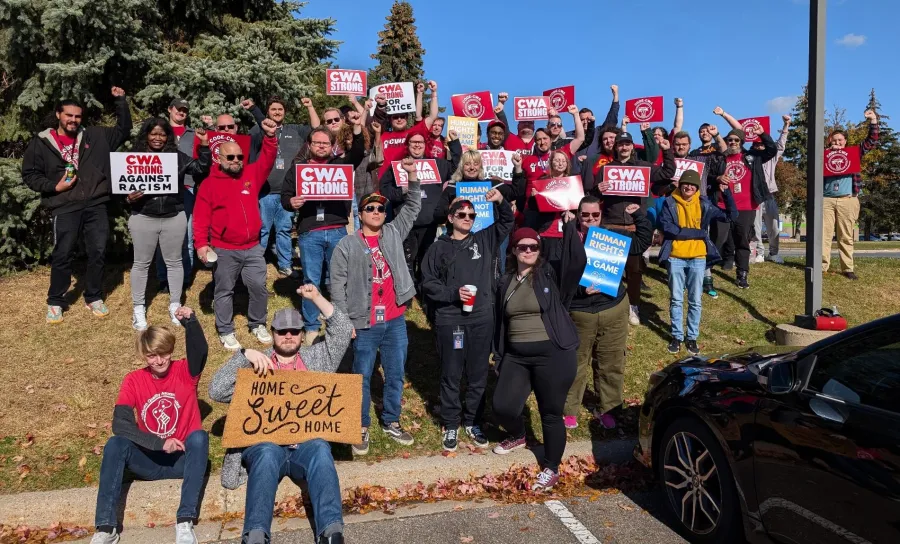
(394, 144)
(602, 161)
(66, 146)
(165, 407)
(741, 178)
(435, 147)
(382, 284)
(295, 364)
(178, 130)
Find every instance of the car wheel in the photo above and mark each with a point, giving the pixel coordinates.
(698, 482)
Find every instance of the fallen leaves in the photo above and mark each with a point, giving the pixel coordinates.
(82, 462)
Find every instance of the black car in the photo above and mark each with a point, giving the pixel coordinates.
(786, 445)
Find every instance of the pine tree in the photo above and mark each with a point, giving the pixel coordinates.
(880, 198)
(400, 52)
(795, 148)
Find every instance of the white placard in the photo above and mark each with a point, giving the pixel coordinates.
(150, 173)
(401, 97)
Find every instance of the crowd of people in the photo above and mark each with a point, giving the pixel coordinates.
(509, 291)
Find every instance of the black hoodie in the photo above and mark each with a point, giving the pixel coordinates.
(431, 193)
(449, 264)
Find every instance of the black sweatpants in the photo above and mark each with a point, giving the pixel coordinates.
(733, 239)
(537, 366)
(93, 222)
(473, 359)
(415, 245)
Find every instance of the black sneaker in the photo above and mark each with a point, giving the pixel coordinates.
(674, 346)
(742, 282)
(474, 433)
(395, 431)
(336, 538)
(691, 346)
(728, 265)
(851, 276)
(363, 447)
(449, 439)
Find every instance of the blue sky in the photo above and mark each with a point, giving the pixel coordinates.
(749, 57)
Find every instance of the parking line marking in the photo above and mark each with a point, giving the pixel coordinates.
(574, 526)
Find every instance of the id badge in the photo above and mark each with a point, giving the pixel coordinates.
(736, 188)
(836, 188)
(424, 195)
(458, 337)
(279, 163)
(320, 213)
(379, 314)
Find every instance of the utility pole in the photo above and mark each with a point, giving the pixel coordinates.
(815, 149)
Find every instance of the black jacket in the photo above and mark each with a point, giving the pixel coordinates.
(337, 212)
(431, 192)
(449, 264)
(43, 165)
(291, 138)
(557, 322)
(754, 159)
(172, 205)
(512, 192)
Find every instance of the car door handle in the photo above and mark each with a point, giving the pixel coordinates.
(829, 411)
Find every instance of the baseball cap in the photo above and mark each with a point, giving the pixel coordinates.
(460, 203)
(372, 197)
(179, 103)
(287, 318)
(624, 137)
(690, 177)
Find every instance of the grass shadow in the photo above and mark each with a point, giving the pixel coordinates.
(113, 277)
(751, 309)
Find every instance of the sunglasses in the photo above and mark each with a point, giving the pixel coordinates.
(732, 140)
(333, 121)
(373, 208)
(292, 332)
(225, 127)
(239, 157)
(528, 248)
(464, 215)
(554, 125)
(396, 117)
(182, 110)
(586, 215)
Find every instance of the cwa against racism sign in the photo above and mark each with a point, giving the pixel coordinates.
(627, 180)
(426, 172)
(325, 181)
(345, 82)
(150, 173)
(842, 162)
(401, 97)
(288, 407)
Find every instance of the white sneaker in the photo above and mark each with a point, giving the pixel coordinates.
(760, 257)
(105, 538)
(261, 334)
(184, 533)
(229, 341)
(633, 315)
(139, 318)
(172, 307)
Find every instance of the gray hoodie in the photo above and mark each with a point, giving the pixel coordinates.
(320, 357)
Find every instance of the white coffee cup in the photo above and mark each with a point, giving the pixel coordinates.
(211, 256)
(467, 307)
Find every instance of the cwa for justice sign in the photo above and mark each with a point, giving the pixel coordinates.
(325, 181)
(627, 180)
(426, 172)
(345, 82)
(497, 163)
(150, 173)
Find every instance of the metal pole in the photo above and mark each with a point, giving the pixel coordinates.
(815, 148)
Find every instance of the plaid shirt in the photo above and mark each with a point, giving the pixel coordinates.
(868, 145)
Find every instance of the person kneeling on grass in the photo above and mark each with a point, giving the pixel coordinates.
(166, 441)
(263, 465)
(686, 246)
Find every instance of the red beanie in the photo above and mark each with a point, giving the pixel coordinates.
(523, 233)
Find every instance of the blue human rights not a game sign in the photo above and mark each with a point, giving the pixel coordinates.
(606, 255)
(474, 192)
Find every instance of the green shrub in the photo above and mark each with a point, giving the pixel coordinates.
(26, 232)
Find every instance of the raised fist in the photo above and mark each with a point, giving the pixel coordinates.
(502, 97)
(870, 115)
(118, 91)
(517, 159)
(644, 126)
(246, 103)
(269, 127)
(306, 102)
(420, 87)
(679, 102)
(551, 112)
(713, 130)
(664, 144)
(376, 126)
(380, 99)
(452, 135)
(432, 85)
(573, 109)
(201, 133)
(615, 89)
(408, 164)
(786, 119)
(718, 111)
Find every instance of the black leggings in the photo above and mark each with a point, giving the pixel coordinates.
(550, 373)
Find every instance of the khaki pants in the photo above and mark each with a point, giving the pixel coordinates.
(840, 213)
(603, 337)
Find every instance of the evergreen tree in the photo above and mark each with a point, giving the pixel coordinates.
(400, 52)
(795, 148)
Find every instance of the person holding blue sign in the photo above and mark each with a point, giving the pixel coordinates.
(600, 312)
(458, 279)
(687, 249)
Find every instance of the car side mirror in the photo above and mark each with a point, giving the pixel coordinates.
(780, 378)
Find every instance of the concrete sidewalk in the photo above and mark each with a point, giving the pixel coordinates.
(155, 503)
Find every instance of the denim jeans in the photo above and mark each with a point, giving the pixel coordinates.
(686, 274)
(121, 453)
(391, 339)
(187, 252)
(268, 463)
(275, 216)
(316, 247)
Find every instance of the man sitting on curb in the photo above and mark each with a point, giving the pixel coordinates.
(262, 466)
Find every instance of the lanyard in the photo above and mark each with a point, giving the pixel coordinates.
(371, 253)
(516, 288)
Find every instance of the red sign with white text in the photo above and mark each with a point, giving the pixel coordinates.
(627, 180)
(645, 110)
(478, 105)
(558, 194)
(345, 82)
(426, 172)
(530, 108)
(560, 98)
(842, 162)
(325, 181)
(758, 124)
(217, 138)
(683, 165)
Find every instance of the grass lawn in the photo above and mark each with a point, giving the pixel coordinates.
(60, 382)
(867, 246)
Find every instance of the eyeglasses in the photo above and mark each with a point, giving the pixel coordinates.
(733, 140)
(323, 144)
(586, 215)
(464, 215)
(234, 157)
(333, 121)
(528, 248)
(226, 127)
(373, 208)
(554, 125)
